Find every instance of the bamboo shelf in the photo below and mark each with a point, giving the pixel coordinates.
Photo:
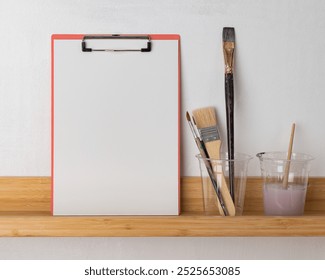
(25, 211)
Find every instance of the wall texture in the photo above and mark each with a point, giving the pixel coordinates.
(279, 66)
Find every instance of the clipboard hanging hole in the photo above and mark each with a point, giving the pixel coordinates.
(84, 47)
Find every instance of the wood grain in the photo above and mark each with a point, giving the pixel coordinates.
(25, 194)
(25, 211)
(140, 226)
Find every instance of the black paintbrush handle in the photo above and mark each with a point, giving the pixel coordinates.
(229, 92)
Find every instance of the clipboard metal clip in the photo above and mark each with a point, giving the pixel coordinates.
(115, 36)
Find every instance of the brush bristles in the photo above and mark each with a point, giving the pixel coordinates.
(205, 117)
(228, 34)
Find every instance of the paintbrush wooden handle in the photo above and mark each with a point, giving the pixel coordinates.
(229, 95)
(287, 168)
(213, 149)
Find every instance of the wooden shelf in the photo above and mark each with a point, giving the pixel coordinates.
(25, 211)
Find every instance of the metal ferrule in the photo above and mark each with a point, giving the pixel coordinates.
(228, 53)
(209, 134)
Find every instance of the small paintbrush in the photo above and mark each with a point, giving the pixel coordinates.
(203, 152)
(228, 36)
(206, 122)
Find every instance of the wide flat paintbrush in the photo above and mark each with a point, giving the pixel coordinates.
(203, 152)
(206, 122)
(228, 51)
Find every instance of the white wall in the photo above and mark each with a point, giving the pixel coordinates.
(279, 66)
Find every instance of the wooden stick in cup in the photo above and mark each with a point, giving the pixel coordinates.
(287, 168)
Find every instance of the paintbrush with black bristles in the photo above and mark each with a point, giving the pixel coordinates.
(228, 36)
(204, 154)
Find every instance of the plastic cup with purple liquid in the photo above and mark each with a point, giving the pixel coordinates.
(284, 199)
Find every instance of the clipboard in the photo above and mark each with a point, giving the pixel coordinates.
(115, 118)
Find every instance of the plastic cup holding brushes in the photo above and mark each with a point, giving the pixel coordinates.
(285, 180)
(215, 166)
(220, 171)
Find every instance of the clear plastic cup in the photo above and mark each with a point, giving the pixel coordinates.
(284, 182)
(220, 169)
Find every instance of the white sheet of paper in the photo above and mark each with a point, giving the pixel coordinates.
(116, 130)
